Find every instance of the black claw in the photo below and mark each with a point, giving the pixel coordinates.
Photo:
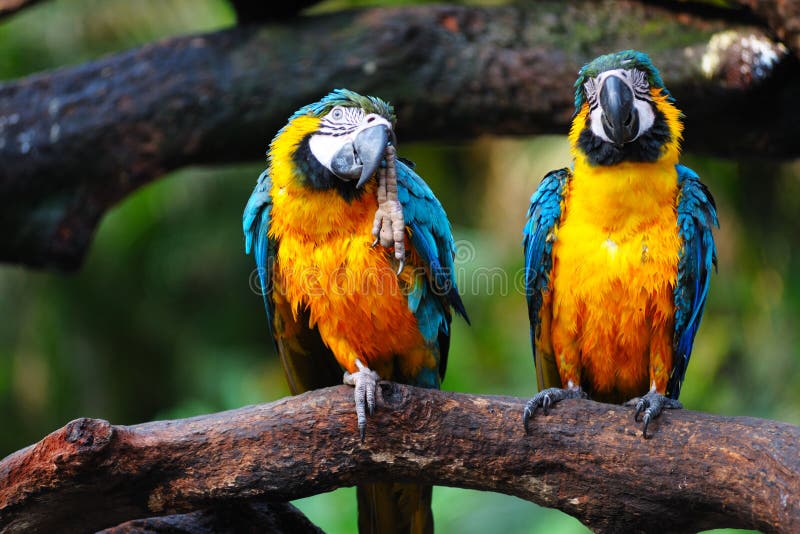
(528, 413)
(546, 399)
(640, 406)
(650, 406)
(365, 384)
(646, 419)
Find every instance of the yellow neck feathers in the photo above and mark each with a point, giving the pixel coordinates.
(283, 147)
(669, 152)
(311, 214)
(626, 193)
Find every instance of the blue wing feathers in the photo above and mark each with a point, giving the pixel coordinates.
(697, 215)
(255, 223)
(544, 214)
(430, 235)
(258, 199)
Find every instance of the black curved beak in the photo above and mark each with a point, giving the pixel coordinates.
(361, 158)
(620, 119)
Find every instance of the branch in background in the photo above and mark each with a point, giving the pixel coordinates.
(698, 471)
(230, 518)
(75, 141)
(782, 17)
(9, 7)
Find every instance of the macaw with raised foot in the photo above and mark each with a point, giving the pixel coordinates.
(618, 249)
(355, 258)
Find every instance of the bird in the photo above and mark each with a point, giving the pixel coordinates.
(355, 260)
(619, 248)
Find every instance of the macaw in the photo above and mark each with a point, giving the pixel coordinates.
(357, 273)
(618, 249)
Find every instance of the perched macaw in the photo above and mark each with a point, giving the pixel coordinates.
(357, 273)
(619, 249)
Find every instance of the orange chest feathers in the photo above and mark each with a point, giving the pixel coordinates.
(326, 264)
(614, 272)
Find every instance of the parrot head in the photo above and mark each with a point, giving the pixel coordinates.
(336, 143)
(623, 112)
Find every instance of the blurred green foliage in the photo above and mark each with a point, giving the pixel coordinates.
(161, 322)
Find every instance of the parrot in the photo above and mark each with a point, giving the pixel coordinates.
(355, 259)
(618, 249)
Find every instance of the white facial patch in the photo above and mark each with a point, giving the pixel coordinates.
(636, 81)
(646, 116)
(340, 126)
(597, 127)
(324, 147)
(334, 131)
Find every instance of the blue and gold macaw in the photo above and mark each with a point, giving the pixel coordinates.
(357, 272)
(619, 249)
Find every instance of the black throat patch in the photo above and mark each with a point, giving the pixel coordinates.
(645, 149)
(318, 177)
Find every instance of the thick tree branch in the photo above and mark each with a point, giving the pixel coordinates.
(782, 17)
(698, 471)
(75, 141)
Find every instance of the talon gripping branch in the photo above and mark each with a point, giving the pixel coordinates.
(619, 249)
(336, 297)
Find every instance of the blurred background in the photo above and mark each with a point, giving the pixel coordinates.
(161, 321)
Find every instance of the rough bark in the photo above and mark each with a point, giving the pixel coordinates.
(698, 471)
(75, 141)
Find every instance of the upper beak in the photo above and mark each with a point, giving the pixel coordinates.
(620, 119)
(370, 145)
(361, 158)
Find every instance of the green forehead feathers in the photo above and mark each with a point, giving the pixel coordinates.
(347, 98)
(626, 59)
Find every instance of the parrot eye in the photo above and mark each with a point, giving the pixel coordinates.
(337, 113)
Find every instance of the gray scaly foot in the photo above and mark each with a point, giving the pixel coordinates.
(650, 406)
(365, 381)
(389, 227)
(548, 397)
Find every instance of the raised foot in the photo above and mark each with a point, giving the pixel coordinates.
(548, 397)
(650, 406)
(365, 381)
(389, 226)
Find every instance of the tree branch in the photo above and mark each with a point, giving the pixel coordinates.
(75, 141)
(783, 18)
(698, 471)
